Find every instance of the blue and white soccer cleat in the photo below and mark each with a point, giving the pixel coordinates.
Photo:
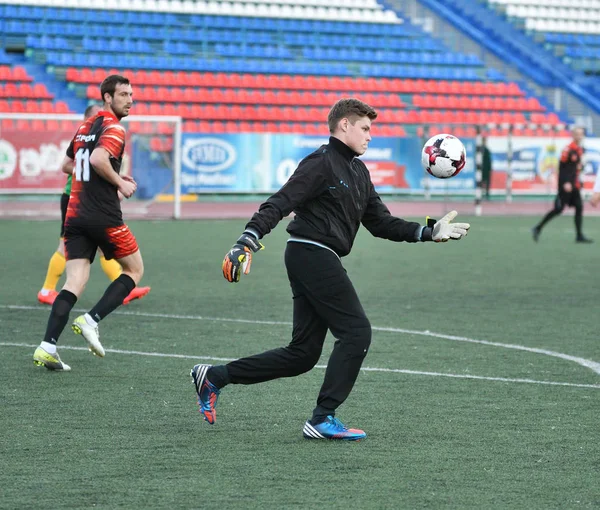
(331, 428)
(208, 393)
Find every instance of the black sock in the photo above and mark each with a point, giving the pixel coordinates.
(320, 415)
(59, 316)
(113, 297)
(218, 375)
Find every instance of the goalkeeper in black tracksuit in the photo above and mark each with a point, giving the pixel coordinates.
(331, 194)
(568, 187)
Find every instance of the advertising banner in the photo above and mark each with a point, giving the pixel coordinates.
(30, 161)
(264, 162)
(535, 163)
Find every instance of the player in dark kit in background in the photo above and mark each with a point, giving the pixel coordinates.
(568, 187)
(93, 221)
(331, 194)
(57, 263)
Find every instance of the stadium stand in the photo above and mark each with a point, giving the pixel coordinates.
(259, 66)
(571, 31)
(516, 32)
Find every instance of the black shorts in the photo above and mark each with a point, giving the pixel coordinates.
(82, 242)
(564, 199)
(64, 203)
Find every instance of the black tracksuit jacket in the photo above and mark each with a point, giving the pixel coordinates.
(331, 194)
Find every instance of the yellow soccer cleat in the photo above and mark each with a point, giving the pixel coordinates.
(90, 333)
(42, 358)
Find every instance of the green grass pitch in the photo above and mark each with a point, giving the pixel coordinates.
(458, 420)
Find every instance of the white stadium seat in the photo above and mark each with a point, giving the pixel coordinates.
(348, 10)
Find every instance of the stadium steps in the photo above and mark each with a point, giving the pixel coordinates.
(57, 88)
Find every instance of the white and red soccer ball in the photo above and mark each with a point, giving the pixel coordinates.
(443, 156)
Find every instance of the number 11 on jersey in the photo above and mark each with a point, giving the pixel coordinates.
(82, 165)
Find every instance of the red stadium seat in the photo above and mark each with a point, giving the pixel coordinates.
(208, 80)
(61, 107)
(313, 129)
(139, 77)
(228, 96)
(170, 109)
(219, 80)
(175, 95)
(514, 90)
(399, 131)
(189, 126)
(11, 90)
(214, 127)
(258, 127)
(155, 109)
(23, 125)
(71, 74)
(231, 126)
(487, 103)
(169, 78)
(299, 82)
(245, 127)
(97, 77)
(165, 128)
(20, 74)
(133, 127)
(154, 78)
(79, 75)
(203, 126)
(156, 144)
(6, 124)
(38, 125)
(193, 79)
(270, 97)
(44, 106)
(41, 92)
(19, 107)
(533, 104)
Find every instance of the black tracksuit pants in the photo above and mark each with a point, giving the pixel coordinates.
(324, 299)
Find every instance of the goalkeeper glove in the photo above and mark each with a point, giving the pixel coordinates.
(442, 230)
(239, 258)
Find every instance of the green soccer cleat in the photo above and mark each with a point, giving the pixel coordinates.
(90, 333)
(42, 358)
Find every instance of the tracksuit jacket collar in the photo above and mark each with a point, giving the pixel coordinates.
(342, 148)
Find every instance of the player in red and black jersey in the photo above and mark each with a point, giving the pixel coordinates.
(57, 263)
(569, 186)
(94, 220)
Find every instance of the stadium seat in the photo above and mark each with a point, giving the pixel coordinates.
(264, 72)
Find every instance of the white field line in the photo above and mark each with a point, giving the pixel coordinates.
(592, 365)
(366, 369)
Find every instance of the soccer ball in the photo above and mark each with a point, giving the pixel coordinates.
(443, 156)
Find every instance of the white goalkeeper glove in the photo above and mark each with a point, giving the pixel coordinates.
(443, 230)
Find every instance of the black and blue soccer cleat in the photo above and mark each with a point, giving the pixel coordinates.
(208, 393)
(331, 428)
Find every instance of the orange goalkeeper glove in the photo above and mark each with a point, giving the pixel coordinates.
(239, 258)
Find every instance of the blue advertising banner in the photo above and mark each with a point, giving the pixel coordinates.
(263, 163)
